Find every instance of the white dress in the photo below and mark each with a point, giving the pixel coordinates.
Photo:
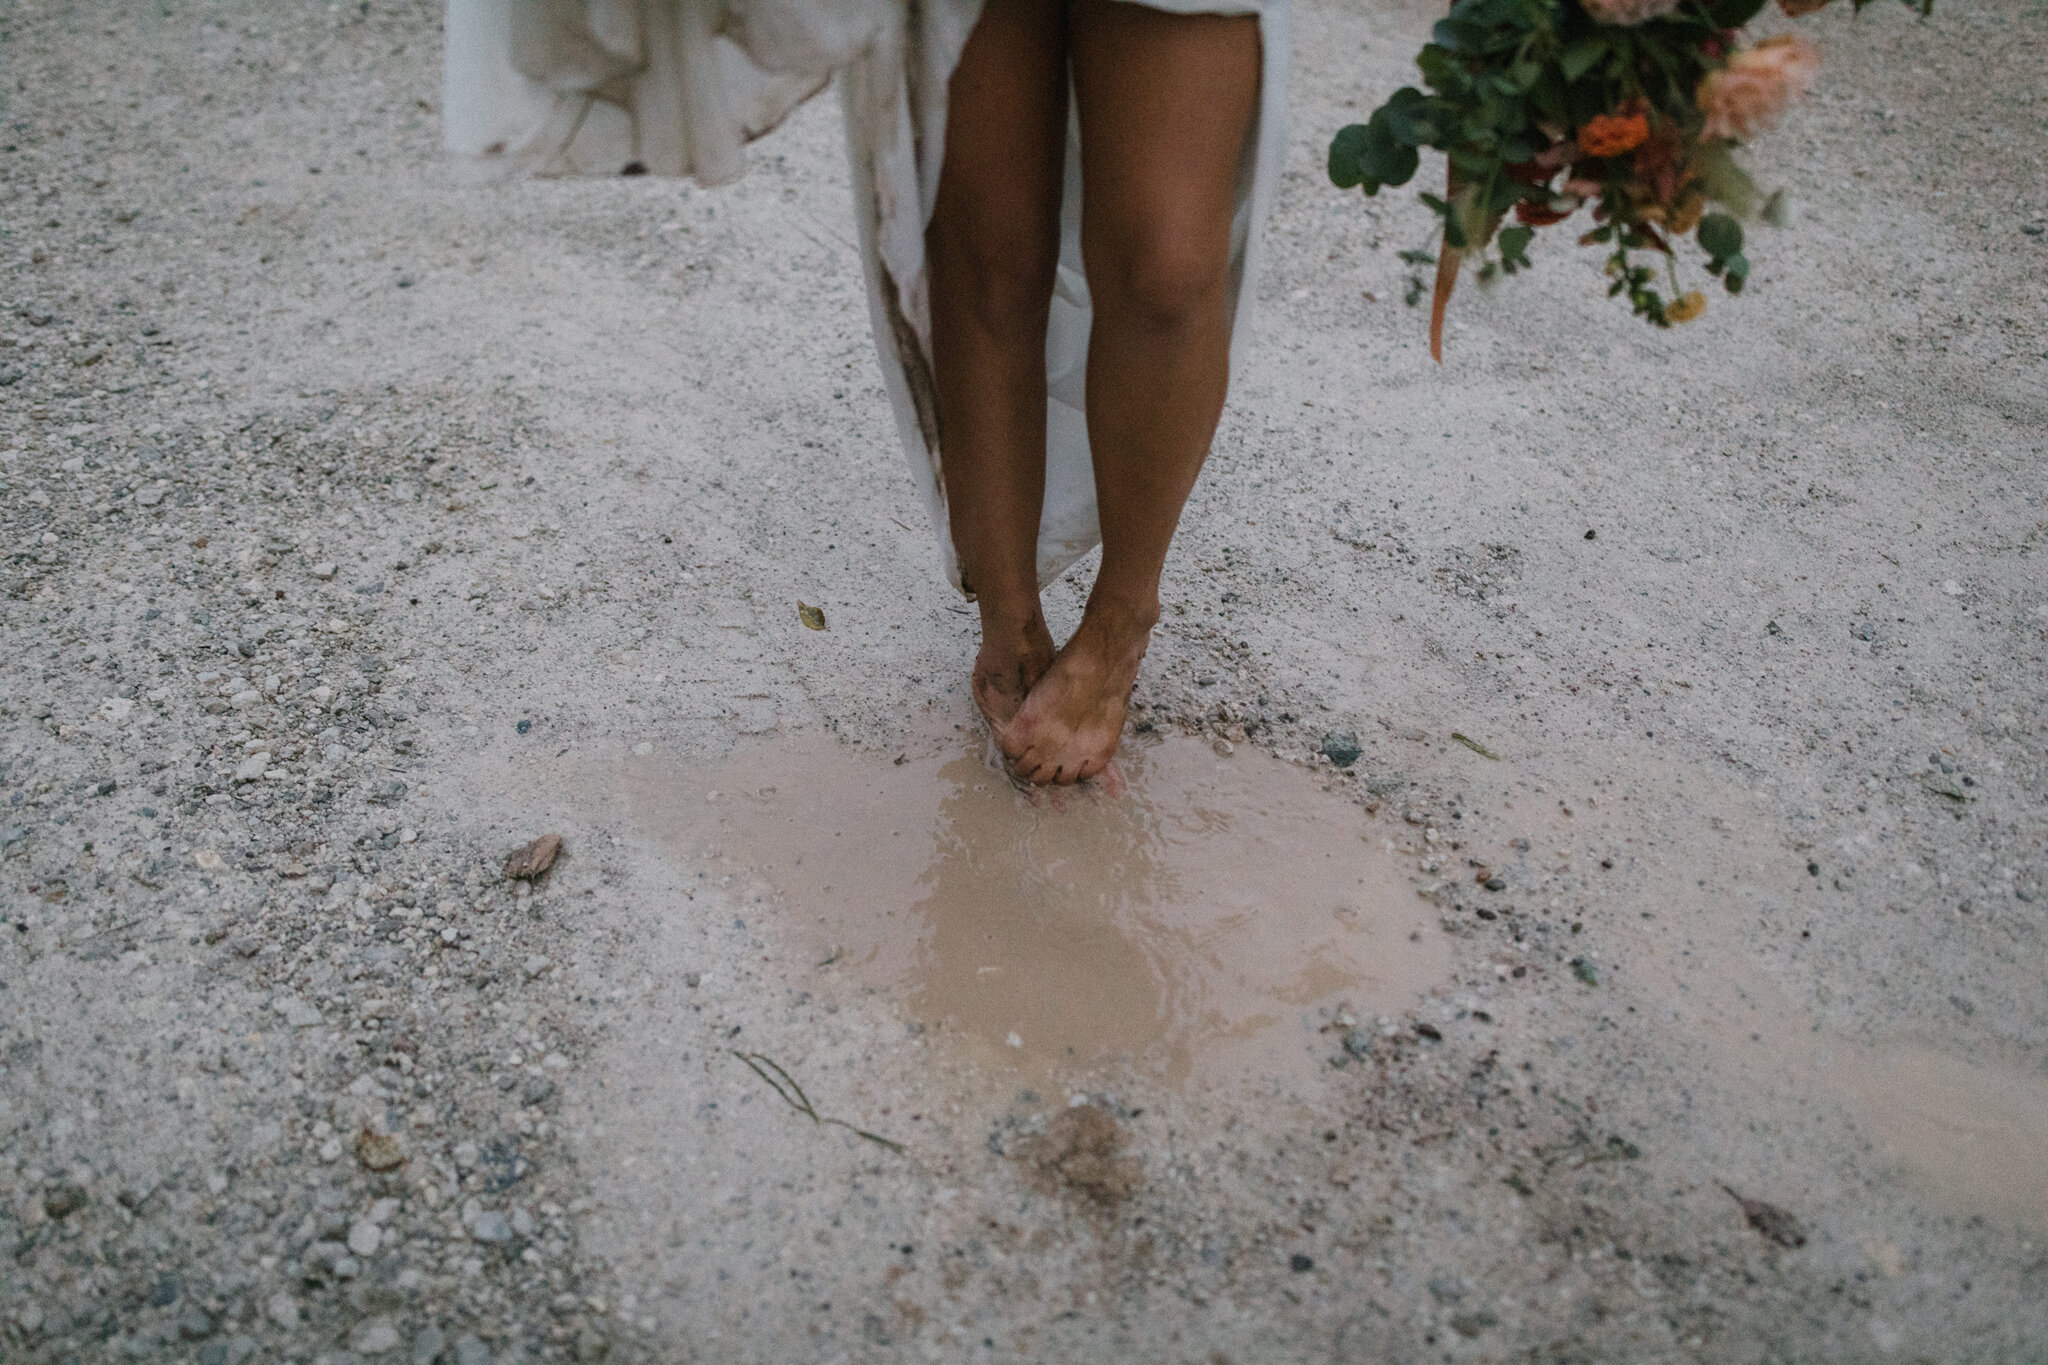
(679, 87)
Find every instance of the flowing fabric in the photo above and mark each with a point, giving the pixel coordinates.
(679, 87)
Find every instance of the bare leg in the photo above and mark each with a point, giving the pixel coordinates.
(993, 246)
(1166, 102)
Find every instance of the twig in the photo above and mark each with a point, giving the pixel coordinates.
(792, 1094)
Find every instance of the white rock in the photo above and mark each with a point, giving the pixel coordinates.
(1952, 588)
(252, 767)
(243, 700)
(536, 964)
(321, 695)
(207, 859)
(383, 1211)
(323, 572)
(116, 709)
(375, 1337)
(364, 1237)
(334, 753)
(283, 1310)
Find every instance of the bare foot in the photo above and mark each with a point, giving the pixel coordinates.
(1071, 723)
(1013, 658)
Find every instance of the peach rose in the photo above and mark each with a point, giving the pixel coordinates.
(1754, 89)
(1628, 13)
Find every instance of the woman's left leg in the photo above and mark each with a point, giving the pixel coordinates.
(1166, 103)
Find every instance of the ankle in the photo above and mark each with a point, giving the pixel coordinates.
(1012, 623)
(1122, 618)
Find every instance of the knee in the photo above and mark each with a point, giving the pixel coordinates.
(1164, 278)
(1001, 276)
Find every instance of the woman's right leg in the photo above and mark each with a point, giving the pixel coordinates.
(991, 252)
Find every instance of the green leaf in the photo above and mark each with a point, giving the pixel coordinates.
(1370, 155)
(1419, 257)
(1583, 56)
(1734, 13)
(1720, 236)
(1346, 152)
(1514, 248)
(1738, 273)
(1444, 72)
(1408, 124)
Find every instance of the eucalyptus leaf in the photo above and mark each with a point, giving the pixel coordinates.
(1583, 56)
(1720, 236)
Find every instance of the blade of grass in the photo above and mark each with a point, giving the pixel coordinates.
(1475, 746)
(792, 1094)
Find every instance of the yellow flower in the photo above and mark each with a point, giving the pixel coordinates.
(1686, 306)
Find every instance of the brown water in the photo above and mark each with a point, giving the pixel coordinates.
(1212, 916)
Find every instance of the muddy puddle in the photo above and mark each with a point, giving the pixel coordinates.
(1205, 921)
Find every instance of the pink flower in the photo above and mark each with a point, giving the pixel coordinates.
(1628, 13)
(1754, 89)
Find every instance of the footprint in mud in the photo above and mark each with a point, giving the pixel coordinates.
(1190, 926)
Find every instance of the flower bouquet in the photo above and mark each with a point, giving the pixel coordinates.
(1544, 106)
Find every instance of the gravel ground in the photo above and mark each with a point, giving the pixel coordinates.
(358, 528)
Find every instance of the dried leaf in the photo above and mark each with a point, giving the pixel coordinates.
(811, 616)
(1772, 1221)
(535, 858)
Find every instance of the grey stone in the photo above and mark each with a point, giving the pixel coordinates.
(470, 1350)
(492, 1226)
(282, 1309)
(375, 1337)
(364, 1238)
(428, 1346)
(1341, 748)
(195, 1323)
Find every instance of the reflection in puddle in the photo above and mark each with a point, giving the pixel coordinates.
(1193, 923)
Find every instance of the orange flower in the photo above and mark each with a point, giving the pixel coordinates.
(1686, 306)
(1754, 89)
(1614, 134)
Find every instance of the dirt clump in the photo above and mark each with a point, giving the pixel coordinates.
(1081, 1153)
